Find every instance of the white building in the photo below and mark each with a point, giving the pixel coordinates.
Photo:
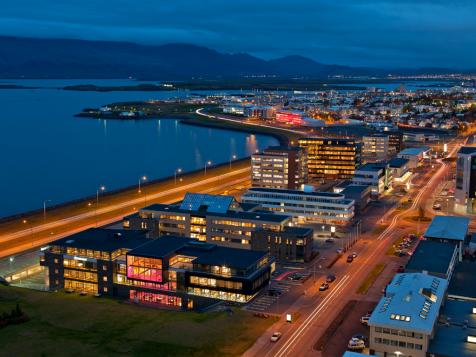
(321, 207)
(376, 175)
(414, 155)
(404, 321)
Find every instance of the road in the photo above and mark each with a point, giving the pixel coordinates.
(317, 310)
(42, 233)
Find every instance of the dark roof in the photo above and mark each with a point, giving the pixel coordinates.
(463, 281)
(296, 192)
(223, 256)
(161, 247)
(205, 253)
(431, 256)
(451, 340)
(372, 166)
(398, 162)
(256, 216)
(283, 148)
(355, 189)
(105, 240)
(467, 150)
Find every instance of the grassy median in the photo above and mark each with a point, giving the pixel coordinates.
(68, 324)
(371, 278)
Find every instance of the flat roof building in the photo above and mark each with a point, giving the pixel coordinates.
(405, 318)
(375, 148)
(279, 167)
(414, 155)
(302, 206)
(465, 183)
(375, 175)
(331, 159)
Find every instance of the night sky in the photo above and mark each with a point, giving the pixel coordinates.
(381, 33)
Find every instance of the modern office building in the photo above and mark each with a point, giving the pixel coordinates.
(302, 206)
(360, 194)
(213, 219)
(399, 170)
(279, 167)
(260, 112)
(404, 320)
(449, 229)
(465, 186)
(289, 117)
(375, 175)
(174, 272)
(395, 139)
(375, 148)
(331, 159)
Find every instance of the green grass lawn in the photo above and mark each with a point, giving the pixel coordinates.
(68, 324)
(371, 278)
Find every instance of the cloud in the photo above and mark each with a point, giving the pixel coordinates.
(355, 32)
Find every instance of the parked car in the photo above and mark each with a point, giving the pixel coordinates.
(356, 344)
(354, 255)
(324, 287)
(274, 292)
(330, 278)
(329, 240)
(350, 259)
(276, 336)
(340, 251)
(295, 276)
(437, 207)
(361, 337)
(401, 269)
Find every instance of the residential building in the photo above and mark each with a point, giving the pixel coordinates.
(173, 272)
(279, 167)
(302, 206)
(375, 175)
(404, 320)
(465, 186)
(212, 219)
(449, 229)
(330, 158)
(375, 148)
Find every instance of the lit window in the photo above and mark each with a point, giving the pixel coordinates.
(104, 278)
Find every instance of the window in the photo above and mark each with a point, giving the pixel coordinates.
(402, 344)
(104, 278)
(104, 267)
(56, 271)
(56, 260)
(410, 345)
(418, 347)
(104, 289)
(378, 329)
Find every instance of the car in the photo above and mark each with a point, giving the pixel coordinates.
(276, 336)
(356, 344)
(410, 200)
(364, 320)
(330, 278)
(350, 259)
(324, 287)
(361, 337)
(437, 207)
(274, 292)
(340, 251)
(401, 269)
(295, 276)
(329, 240)
(354, 255)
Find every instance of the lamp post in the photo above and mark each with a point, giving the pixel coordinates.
(178, 171)
(143, 178)
(233, 157)
(44, 209)
(102, 189)
(206, 165)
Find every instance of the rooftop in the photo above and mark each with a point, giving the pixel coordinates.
(414, 151)
(377, 166)
(467, 150)
(105, 240)
(283, 148)
(463, 281)
(397, 162)
(451, 334)
(448, 227)
(355, 189)
(205, 202)
(411, 302)
(297, 192)
(431, 256)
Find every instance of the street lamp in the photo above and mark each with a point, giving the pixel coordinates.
(207, 164)
(44, 209)
(102, 189)
(143, 178)
(233, 157)
(178, 171)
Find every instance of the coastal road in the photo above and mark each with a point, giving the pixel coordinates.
(318, 310)
(26, 237)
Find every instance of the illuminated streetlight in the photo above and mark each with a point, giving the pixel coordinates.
(206, 165)
(233, 157)
(44, 208)
(102, 189)
(178, 171)
(143, 178)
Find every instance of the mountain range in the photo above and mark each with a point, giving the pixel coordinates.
(67, 58)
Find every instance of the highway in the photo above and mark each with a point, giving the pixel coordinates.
(319, 309)
(42, 233)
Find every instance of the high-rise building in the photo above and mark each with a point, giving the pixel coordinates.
(395, 139)
(465, 188)
(375, 148)
(330, 158)
(279, 167)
